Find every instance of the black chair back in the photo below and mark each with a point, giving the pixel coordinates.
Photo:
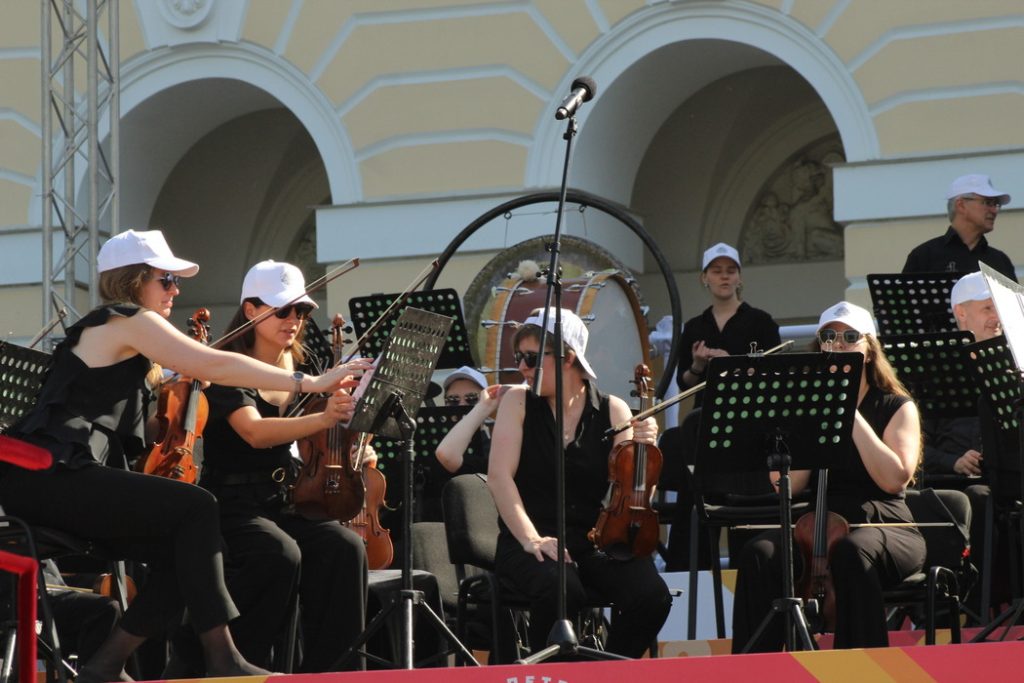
(471, 521)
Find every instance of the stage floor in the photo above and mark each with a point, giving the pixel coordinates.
(910, 664)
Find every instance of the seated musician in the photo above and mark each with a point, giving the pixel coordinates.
(521, 477)
(868, 485)
(953, 445)
(249, 441)
(465, 447)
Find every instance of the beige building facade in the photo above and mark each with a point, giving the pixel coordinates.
(818, 136)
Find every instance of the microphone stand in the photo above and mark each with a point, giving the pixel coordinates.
(562, 639)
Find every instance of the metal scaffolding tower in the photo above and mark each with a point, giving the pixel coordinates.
(73, 48)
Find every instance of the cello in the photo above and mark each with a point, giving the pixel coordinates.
(181, 412)
(628, 525)
(328, 485)
(815, 533)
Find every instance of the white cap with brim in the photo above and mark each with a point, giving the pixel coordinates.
(276, 284)
(720, 250)
(466, 372)
(971, 287)
(574, 333)
(851, 315)
(147, 246)
(976, 183)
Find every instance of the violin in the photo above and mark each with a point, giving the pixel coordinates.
(330, 482)
(379, 549)
(815, 533)
(628, 525)
(182, 411)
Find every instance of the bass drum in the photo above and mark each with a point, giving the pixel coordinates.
(605, 301)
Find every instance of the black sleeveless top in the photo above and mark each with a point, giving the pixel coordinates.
(851, 490)
(586, 469)
(87, 416)
(224, 451)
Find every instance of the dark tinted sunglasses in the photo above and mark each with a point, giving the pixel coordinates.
(302, 311)
(454, 399)
(829, 336)
(529, 358)
(168, 280)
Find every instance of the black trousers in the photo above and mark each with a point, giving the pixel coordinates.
(173, 527)
(269, 553)
(862, 565)
(641, 598)
(84, 620)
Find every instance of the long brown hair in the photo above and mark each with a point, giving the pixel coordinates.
(245, 342)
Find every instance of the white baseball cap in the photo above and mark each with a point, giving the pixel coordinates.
(148, 246)
(976, 183)
(971, 287)
(850, 314)
(276, 284)
(466, 372)
(720, 250)
(574, 333)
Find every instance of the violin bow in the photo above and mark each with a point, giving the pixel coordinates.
(669, 402)
(62, 313)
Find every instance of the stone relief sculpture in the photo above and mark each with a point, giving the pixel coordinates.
(791, 219)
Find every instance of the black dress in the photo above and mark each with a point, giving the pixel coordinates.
(641, 599)
(89, 416)
(862, 564)
(266, 546)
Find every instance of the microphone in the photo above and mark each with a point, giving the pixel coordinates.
(583, 90)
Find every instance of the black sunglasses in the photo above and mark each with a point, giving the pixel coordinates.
(302, 311)
(530, 358)
(454, 399)
(168, 280)
(829, 336)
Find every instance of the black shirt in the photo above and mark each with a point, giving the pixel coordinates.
(948, 253)
(748, 325)
(947, 439)
(225, 451)
(586, 469)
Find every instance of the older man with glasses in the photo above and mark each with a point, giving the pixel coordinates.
(972, 206)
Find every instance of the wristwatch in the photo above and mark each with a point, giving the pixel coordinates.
(297, 377)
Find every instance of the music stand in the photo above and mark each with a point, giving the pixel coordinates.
(1000, 382)
(21, 377)
(912, 303)
(935, 370)
(366, 309)
(797, 409)
(388, 406)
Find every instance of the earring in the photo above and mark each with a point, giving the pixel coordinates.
(707, 285)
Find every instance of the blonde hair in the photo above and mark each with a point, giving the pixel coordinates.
(124, 285)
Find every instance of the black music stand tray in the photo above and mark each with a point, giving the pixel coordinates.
(21, 377)
(366, 309)
(388, 407)
(936, 371)
(797, 409)
(912, 303)
(1001, 385)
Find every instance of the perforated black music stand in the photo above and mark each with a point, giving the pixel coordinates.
(21, 377)
(797, 409)
(935, 370)
(1000, 382)
(388, 406)
(912, 303)
(365, 310)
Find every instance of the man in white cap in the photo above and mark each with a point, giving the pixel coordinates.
(972, 204)
(953, 445)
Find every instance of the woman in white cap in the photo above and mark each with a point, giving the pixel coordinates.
(248, 445)
(727, 327)
(521, 477)
(91, 411)
(465, 447)
(868, 485)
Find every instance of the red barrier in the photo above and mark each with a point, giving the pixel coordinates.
(26, 569)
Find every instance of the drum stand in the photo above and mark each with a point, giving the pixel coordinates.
(562, 640)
